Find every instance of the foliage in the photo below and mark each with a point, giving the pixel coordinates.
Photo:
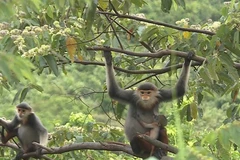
(193, 10)
(43, 38)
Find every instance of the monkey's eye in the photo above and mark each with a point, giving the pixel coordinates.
(23, 110)
(142, 92)
(148, 92)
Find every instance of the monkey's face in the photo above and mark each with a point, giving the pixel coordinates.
(145, 95)
(23, 113)
(147, 98)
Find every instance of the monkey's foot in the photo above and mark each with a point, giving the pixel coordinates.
(190, 55)
(159, 153)
(19, 155)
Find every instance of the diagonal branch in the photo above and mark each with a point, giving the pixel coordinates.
(157, 23)
(130, 33)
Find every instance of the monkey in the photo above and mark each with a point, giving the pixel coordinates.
(160, 121)
(27, 127)
(144, 102)
(157, 129)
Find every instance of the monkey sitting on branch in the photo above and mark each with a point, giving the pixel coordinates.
(27, 127)
(144, 101)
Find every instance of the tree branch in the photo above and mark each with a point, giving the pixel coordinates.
(108, 146)
(152, 71)
(157, 23)
(159, 144)
(158, 54)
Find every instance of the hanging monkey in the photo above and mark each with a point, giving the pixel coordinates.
(144, 102)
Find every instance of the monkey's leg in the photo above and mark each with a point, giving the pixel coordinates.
(151, 153)
(39, 152)
(163, 137)
(19, 156)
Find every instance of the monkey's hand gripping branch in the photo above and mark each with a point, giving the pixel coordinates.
(108, 56)
(188, 59)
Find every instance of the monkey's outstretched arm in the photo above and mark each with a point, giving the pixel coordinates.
(114, 90)
(181, 86)
(10, 125)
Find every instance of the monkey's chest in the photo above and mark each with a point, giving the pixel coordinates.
(27, 135)
(146, 116)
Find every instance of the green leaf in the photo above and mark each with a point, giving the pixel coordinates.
(181, 3)
(149, 32)
(194, 110)
(37, 87)
(212, 68)
(55, 40)
(103, 4)
(15, 68)
(224, 11)
(222, 152)
(166, 5)
(50, 10)
(210, 138)
(90, 15)
(199, 98)
(6, 10)
(60, 4)
(79, 138)
(24, 93)
(224, 138)
(189, 114)
(138, 3)
(236, 39)
(228, 63)
(4, 68)
(204, 74)
(16, 96)
(235, 132)
(52, 64)
(229, 45)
